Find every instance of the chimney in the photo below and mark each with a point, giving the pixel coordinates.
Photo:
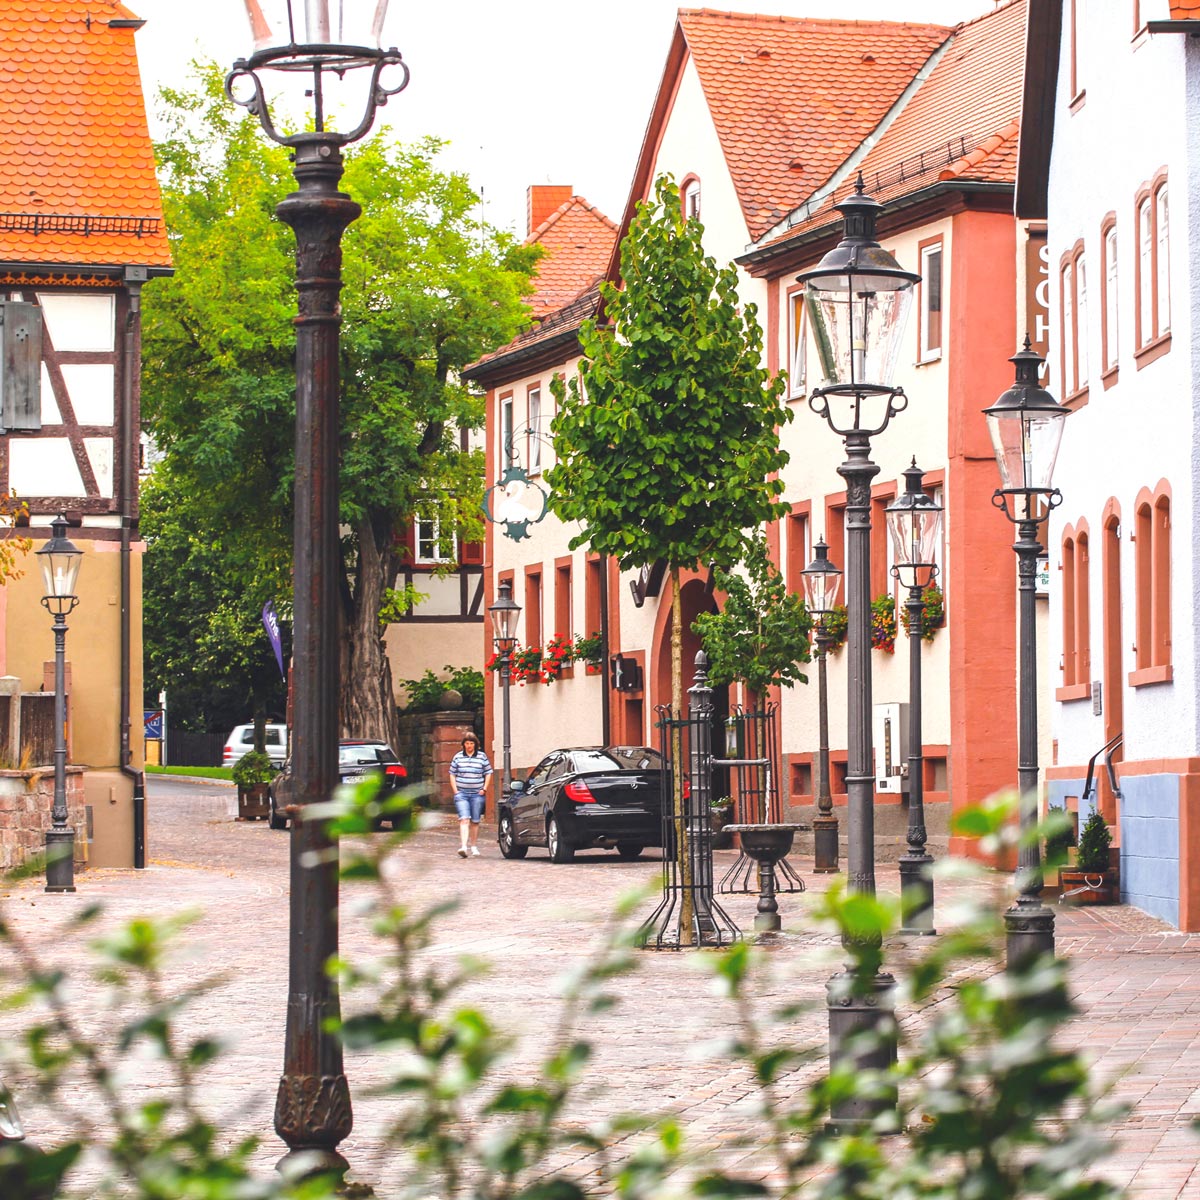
(543, 199)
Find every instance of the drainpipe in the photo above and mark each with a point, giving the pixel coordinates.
(131, 378)
(606, 666)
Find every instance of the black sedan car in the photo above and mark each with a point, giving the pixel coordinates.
(357, 761)
(582, 797)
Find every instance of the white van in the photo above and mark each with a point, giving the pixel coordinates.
(241, 741)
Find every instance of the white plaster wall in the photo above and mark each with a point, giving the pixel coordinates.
(811, 474)
(1132, 122)
(690, 146)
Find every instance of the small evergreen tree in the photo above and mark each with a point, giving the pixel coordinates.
(1094, 842)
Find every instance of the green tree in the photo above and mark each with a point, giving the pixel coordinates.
(427, 289)
(204, 638)
(667, 443)
(760, 636)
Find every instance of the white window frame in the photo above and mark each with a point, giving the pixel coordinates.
(1146, 279)
(1162, 260)
(927, 352)
(691, 199)
(798, 344)
(427, 531)
(1081, 321)
(1111, 316)
(1070, 327)
(506, 429)
(534, 402)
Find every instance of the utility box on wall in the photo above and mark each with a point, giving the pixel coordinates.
(890, 737)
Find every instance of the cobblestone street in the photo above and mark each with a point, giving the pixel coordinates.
(1136, 981)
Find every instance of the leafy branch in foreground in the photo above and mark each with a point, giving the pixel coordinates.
(990, 1104)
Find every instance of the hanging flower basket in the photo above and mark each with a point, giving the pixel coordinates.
(527, 666)
(883, 624)
(560, 653)
(837, 625)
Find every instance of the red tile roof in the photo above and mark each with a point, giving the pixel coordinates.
(1185, 10)
(793, 98)
(578, 239)
(73, 138)
(962, 124)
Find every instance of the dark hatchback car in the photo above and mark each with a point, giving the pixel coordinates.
(357, 761)
(582, 797)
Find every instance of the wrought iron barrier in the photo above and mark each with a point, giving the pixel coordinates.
(688, 914)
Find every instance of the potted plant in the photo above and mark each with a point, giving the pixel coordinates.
(587, 651)
(721, 811)
(883, 624)
(253, 773)
(1091, 879)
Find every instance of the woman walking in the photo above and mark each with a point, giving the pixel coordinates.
(470, 771)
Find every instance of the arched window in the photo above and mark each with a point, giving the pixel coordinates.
(689, 195)
(1152, 568)
(1153, 271)
(1074, 316)
(1076, 599)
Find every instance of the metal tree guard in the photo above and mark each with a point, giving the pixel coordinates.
(688, 914)
(753, 752)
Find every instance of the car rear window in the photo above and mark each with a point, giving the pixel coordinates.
(617, 758)
(373, 752)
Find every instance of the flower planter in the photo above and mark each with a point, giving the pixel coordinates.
(592, 668)
(722, 839)
(1088, 887)
(254, 803)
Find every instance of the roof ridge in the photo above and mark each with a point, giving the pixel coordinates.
(1001, 6)
(983, 150)
(814, 22)
(573, 200)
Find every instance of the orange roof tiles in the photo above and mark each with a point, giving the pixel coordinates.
(578, 239)
(1185, 10)
(961, 124)
(73, 135)
(793, 98)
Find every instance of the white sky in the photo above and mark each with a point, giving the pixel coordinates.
(525, 91)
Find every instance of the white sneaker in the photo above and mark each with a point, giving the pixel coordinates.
(474, 851)
(462, 852)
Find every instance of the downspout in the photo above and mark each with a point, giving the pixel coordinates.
(606, 668)
(131, 376)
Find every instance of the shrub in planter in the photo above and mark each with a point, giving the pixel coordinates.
(252, 769)
(1090, 880)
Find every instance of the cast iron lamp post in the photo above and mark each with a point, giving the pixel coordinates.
(858, 299)
(60, 559)
(504, 613)
(915, 523)
(340, 43)
(821, 580)
(1026, 424)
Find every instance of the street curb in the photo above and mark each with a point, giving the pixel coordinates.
(224, 783)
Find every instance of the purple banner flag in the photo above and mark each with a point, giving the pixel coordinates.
(271, 624)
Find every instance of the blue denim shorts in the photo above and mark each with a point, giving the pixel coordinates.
(469, 806)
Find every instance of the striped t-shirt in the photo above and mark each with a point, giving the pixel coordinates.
(470, 770)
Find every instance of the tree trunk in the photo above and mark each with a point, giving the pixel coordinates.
(682, 849)
(367, 702)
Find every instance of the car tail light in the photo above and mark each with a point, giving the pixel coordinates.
(579, 791)
(396, 770)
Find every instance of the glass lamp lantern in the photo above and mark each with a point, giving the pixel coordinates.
(1026, 427)
(504, 613)
(59, 559)
(821, 580)
(858, 300)
(914, 522)
(290, 27)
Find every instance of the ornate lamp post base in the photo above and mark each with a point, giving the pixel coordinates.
(60, 860)
(862, 1037)
(1029, 932)
(916, 895)
(825, 845)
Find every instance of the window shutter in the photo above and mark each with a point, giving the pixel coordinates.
(21, 365)
(472, 552)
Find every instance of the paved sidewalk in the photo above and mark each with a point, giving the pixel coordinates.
(1137, 982)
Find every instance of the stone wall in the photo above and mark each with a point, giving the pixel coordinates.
(26, 798)
(428, 741)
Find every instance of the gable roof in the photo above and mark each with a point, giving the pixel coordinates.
(578, 239)
(959, 128)
(791, 98)
(77, 182)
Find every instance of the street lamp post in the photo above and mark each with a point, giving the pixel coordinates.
(340, 44)
(915, 524)
(821, 580)
(60, 560)
(504, 613)
(858, 299)
(1026, 425)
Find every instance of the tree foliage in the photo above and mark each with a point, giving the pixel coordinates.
(667, 443)
(427, 290)
(760, 636)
